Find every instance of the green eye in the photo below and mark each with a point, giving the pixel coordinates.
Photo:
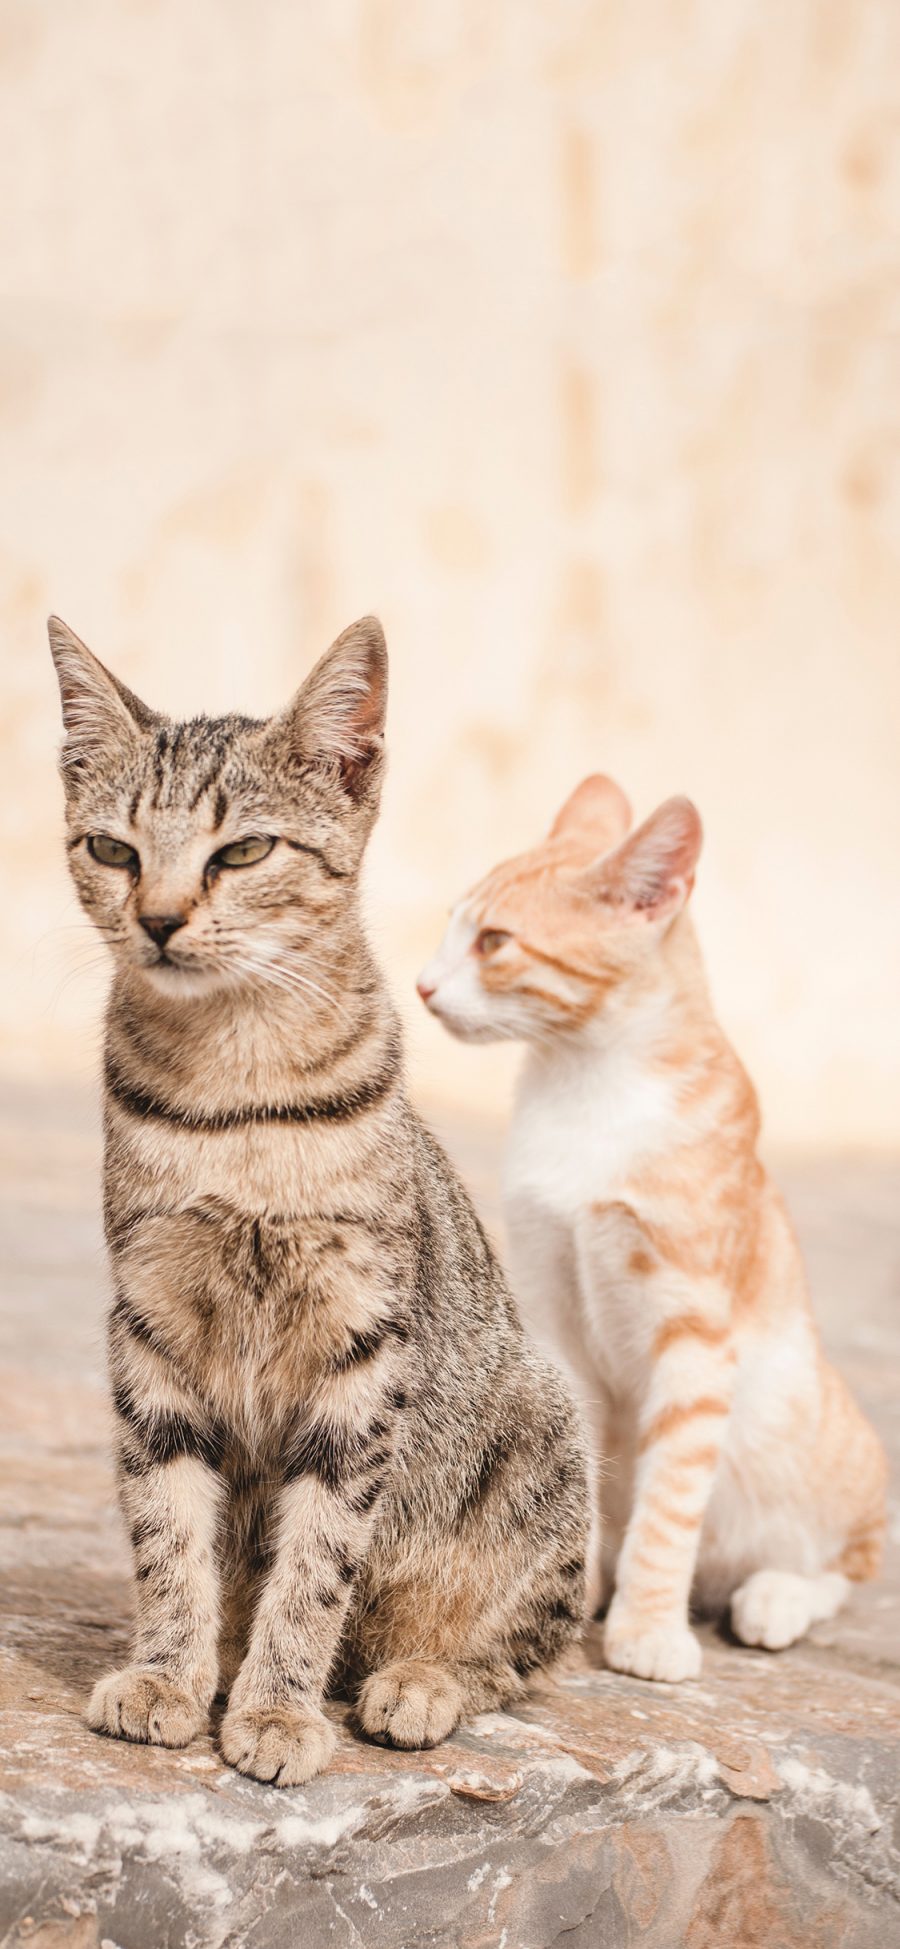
(243, 852)
(111, 852)
(491, 939)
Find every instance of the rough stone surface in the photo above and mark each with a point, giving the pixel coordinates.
(756, 1806)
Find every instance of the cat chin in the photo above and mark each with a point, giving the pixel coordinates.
(467, 1031)
(182, 983)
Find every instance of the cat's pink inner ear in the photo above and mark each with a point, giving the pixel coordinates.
(652, 872)
(597, 811)
(338, 714)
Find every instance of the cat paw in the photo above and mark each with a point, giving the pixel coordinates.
(665, 1652)
(147, 1707)
(776, 1607)
(282, 1745)
(409, 1704)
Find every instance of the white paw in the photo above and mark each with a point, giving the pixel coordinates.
(666, 1652)
(283, 1745)
(773, 1609)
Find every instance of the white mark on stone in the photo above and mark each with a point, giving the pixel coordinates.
(811, 1785)
(405, 1796)
(656, 1777)
(296, 1829)
(80, 1832)
(501, 1880)
(354, 1932)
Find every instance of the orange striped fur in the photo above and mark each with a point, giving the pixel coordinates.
(651, 1251)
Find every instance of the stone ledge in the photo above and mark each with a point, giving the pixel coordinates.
(755, 1805)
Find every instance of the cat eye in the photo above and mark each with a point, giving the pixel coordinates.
(491, 939)
(243, 852)
(111, 852)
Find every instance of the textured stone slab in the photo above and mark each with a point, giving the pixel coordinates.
(756, 1806)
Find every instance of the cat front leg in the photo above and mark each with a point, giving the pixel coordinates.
(334, 1472)
(681, 1430)
(245, 1558)
(170, 1493)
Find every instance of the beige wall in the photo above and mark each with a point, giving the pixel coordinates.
(565, 336)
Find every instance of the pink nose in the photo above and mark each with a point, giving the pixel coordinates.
(425, 989)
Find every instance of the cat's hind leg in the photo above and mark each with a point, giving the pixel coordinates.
(774, 1608)
(463, 1625)
(440, 1654)
(410, 1703)
(413, 1703)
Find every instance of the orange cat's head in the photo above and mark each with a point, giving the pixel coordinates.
(547, 940)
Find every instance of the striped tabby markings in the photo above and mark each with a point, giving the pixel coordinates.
(656, 1599)
(658, 1557)
(334, 1466)
(336, 1454)
(340, 1108)
(173, 1514)
(333, 1471)
(678, 1414)
(696, 1458)
(127, 1316)
(333, 872)
(485, 1473)
(337, 1052)
(365, 1344)
(862, 1555)
(330, 1445)
(652, 1538)
(211, 778)
(689, 1326)
(681, 1518)
(152, 1436)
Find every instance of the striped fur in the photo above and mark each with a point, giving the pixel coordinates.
(339, 1460)
(651, 1251)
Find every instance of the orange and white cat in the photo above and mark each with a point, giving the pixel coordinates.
(651, 1251)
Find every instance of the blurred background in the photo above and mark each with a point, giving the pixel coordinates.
(564, 336)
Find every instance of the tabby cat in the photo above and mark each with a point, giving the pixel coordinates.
(650, 1248)
(340, 1461)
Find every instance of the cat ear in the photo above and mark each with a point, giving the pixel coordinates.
(98, 711)
(596, 811)
(337, 717)
(652, 872)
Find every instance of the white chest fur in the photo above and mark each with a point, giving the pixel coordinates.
(586, 1118)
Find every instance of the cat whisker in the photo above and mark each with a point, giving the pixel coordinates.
(282, 975)
(99, 965)
(276, 976)
(283, 954)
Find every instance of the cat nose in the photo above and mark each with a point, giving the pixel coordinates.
(161, 927)
(425, 988)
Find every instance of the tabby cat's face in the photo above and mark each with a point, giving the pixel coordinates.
(567, 933)
(222, 851)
